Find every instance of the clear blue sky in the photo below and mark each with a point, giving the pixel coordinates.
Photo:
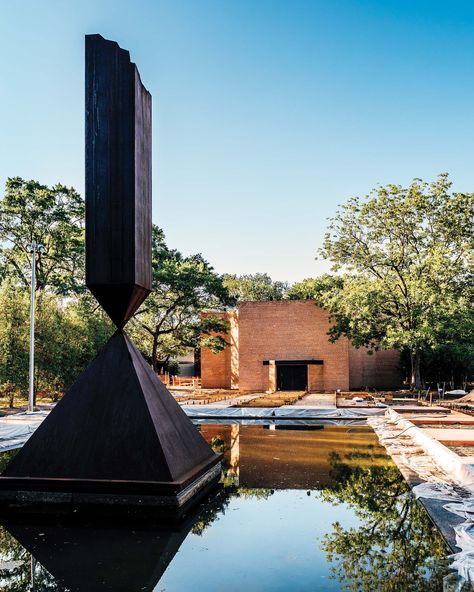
(267, 114)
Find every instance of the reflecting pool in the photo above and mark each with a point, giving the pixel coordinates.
(315, 509)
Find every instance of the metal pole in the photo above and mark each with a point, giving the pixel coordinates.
(32, 573)
(31, 393)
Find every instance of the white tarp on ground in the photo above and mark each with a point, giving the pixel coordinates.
(360, 421)
(16, 429)
(445, 478)
(285, 412)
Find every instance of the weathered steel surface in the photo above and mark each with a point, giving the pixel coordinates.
(117, 436)
(118, 180)
(116, 422)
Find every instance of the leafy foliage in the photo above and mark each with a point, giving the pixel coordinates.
(67, 336)
(407, 258)
(319, 289)
(396, 547)
(70, 328)
(13, 339)
(54, 218)
(259, 286)
(169, 321)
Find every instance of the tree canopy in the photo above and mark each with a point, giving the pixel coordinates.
(54, 218)
(70, 327)
(67, 337)
(406, 258)
(13, 337)
(258, 286)
(169, 322)
(319, 289)
(403, 278)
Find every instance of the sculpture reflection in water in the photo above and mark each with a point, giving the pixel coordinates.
(88, 557)
(389, 545)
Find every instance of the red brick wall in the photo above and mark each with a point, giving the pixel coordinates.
(380, 370)
(292, 330)
(233, 356)
(288, 330)
(316, 378)
(221, 370)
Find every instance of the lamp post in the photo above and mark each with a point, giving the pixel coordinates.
(31, 392)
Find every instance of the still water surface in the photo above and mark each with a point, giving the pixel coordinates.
(306, 510)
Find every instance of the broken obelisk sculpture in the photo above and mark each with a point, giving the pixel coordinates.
(117, 437)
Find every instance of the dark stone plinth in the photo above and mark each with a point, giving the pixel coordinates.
(117, 436)
(167, 501)
(118, 180)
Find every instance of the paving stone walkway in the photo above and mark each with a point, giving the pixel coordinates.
(325, 400)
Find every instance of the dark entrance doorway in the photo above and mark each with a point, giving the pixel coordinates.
(293, 377)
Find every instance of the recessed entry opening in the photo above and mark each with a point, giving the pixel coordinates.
(292, 377)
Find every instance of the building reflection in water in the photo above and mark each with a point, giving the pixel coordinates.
(89, 557)
(322, 471)
(234, 453)
(284, 456)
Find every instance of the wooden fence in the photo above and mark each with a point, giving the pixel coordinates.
(188, 381)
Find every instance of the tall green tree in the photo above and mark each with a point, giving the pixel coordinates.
(69, 327)
(92, 325)
(13, 339)
(258, 286)
(68, 335)
(406, 253)
(51, 216)
(169, 322)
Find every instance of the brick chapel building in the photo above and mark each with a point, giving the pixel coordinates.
(283, 345)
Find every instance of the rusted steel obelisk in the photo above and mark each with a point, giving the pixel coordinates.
(117, 437)
(118, 180)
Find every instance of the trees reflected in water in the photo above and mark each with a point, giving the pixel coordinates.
(217, 505)
(19, 571)
(395, 547)
(94, 556)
